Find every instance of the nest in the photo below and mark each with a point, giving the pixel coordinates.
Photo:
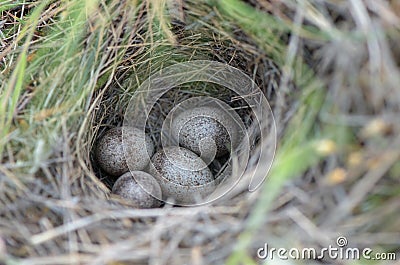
(113, 101)
(61, 212)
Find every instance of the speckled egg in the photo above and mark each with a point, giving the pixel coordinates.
(140, 188)
(109, 152)
(194, 126)
(182, 175)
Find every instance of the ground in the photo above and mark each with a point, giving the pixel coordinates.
(330, 72)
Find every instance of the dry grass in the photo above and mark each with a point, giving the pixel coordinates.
(330, 70)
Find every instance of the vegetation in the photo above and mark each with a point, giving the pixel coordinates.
(330, 70)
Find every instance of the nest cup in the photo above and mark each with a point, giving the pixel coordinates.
(227, 169)
(111, 103)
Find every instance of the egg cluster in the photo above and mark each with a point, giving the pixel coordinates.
(177, 173)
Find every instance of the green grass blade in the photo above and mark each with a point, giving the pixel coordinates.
(16, 82)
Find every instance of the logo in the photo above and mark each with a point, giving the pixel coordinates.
(150, 91)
